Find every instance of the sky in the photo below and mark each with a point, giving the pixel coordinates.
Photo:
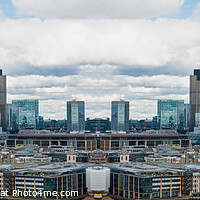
(99, 51)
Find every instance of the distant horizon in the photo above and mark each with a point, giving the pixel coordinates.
(65, 118)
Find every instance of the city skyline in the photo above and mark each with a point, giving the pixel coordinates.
(98, 58)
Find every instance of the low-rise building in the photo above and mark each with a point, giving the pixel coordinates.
(141, 181)
(105, 142)
(48, 178)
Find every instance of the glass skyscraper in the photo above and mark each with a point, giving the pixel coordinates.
(186, 115)
(75, 115)
(170, 114)
(25, 114)
(9, 116)
(120, 115)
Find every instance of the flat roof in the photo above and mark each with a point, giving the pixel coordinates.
(94, 135)
(141, 169)
(54, 169)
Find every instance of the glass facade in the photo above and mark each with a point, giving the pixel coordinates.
(75, 115)
(186, 115)
(25, 114)
(98, 124)
(9, 116)
(120, 116)
(129, 185)
(170, 114)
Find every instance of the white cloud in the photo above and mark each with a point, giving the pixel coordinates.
(98, 93)
(136, 9)
(141, 60)
(55, 44)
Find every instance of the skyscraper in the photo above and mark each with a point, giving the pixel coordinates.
(170, 114)
(194, 98)
(120, 115)
(3, 111)
(75, 115)
(9, 116)
(25, 114)
(186, 115)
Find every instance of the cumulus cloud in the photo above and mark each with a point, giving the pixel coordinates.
(98, 61)
(32, 46)
(136, 9)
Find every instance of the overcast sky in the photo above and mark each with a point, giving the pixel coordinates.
(99, 51)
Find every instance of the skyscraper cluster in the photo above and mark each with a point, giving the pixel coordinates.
(171, 114)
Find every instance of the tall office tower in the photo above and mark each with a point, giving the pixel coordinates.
(120, 115)
(186, 115)
(170, 114)
(3, 121)
(9, 116)
(194, 98)
(75, 115)
(25, 114)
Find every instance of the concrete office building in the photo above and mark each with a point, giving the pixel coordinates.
(170, 114)
(120, 115)
(75, 115)
(54, 178)
(25, 114)
(3, 94)
(104, 142)
(194, 98)
(141, 181)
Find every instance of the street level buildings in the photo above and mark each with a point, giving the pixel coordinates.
(3, 94)
(75, 115)
(25, 114)
(170, 113)
(104, 142)
(118, 180)
(120, 115)
(52, 178)
(141, 181)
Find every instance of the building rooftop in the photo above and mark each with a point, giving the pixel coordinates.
(77, 134)
(144, 169)
(52, 169)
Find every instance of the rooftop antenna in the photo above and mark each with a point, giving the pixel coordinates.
(73, 98)
(122, 98)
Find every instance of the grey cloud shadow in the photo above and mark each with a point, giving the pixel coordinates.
(139, 70)
(56, 70)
